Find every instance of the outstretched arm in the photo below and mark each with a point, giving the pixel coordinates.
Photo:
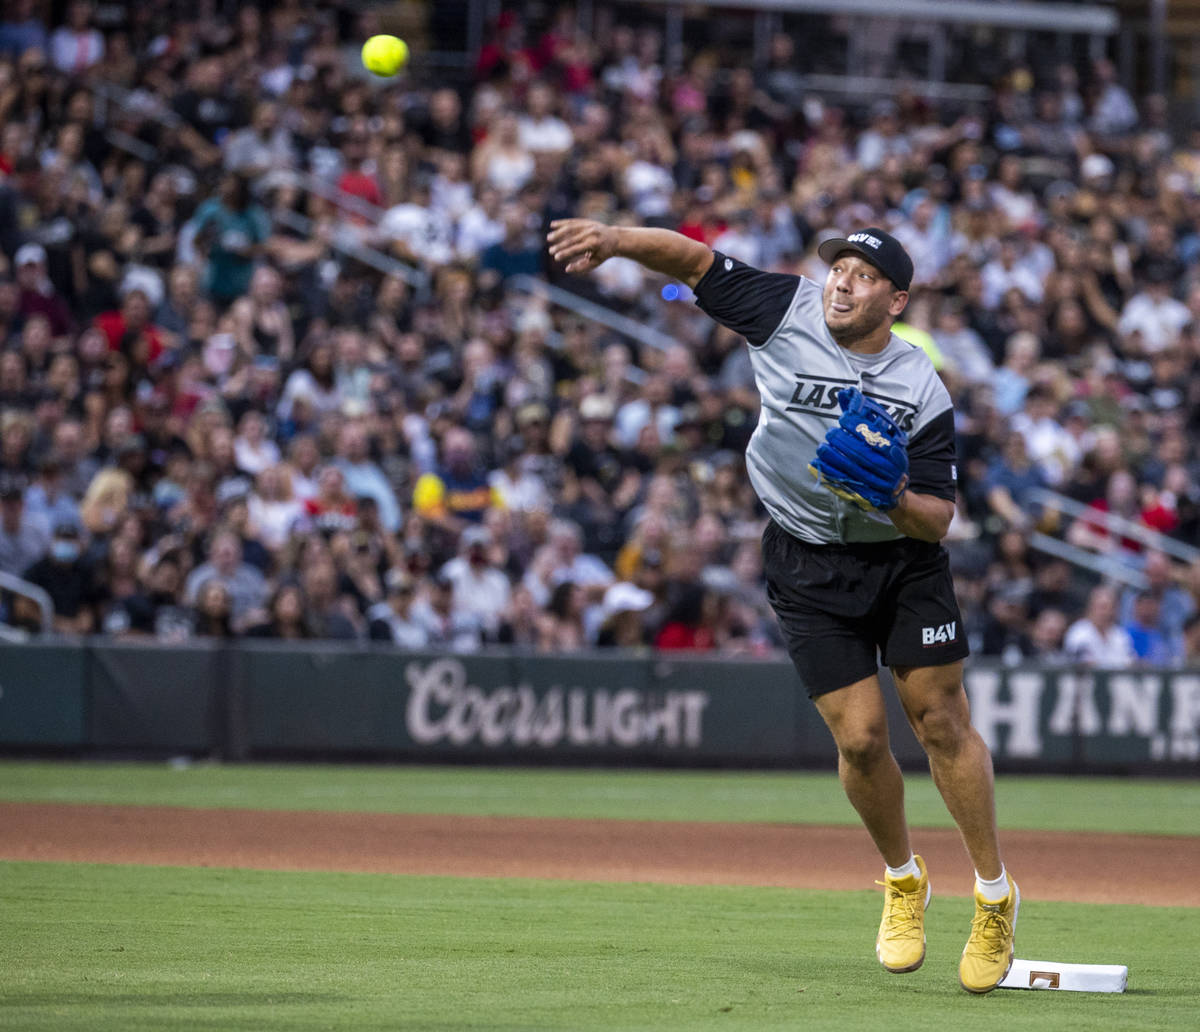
(583, 244)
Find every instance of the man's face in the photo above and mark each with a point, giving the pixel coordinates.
(858, 298)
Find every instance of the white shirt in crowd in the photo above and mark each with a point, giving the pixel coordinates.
(477, 231)
(1086, 643)
(998, 281)
(620, 277)
(740, 243)
(482, 591)
(1158, 320)
(1050, 445)
(650, 187)
(524, 493)
(74, 52)
(930, 249)
(273, 520)
(424, 231)
(254, 458)
(548, 135)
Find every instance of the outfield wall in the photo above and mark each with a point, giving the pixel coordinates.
(253, 701)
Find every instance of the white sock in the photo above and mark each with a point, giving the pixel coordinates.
(909, 869)
(995, 891)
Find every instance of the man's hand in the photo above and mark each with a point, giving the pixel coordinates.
(581, 243)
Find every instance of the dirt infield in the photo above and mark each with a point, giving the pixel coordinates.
(1088, 868)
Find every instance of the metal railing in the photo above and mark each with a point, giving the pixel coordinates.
(1011, 14)
(860, 86)
(1116, 525)
(1104, 566)
(591, 311)
(16, 586)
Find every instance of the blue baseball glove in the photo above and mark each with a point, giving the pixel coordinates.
(864, 456)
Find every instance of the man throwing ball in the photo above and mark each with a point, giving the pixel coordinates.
(853, 459)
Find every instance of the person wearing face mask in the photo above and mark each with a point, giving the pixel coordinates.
(61, 573)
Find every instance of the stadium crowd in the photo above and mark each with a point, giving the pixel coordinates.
(216, 420)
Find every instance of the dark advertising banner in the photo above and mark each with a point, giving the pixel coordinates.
(257, 700)
(1081, 718)
(158, 698)
(42, 695)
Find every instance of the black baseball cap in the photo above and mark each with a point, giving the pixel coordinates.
(878, 247)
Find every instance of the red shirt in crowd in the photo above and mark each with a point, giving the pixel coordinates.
(114, 327)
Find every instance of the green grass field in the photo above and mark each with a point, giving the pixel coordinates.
(122, 948)
(1145, 806)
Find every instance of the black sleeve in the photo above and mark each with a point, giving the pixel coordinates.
(931, 459)
(748, 301)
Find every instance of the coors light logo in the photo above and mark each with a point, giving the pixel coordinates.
(443, 707)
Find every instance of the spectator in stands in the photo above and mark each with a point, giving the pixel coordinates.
(363, 477)
(1174, 603)
(961, 346)
(446, 626)
(1151, 646)
(458, 493)
(129, 330)
(36, 293)
(517, 253)
(48, 498)
(1046, 638)
(562, 627)
(1092, 532)
(262, 146)
(76, 46)
(332, 509)
(1048, 443)
(1191, 641)
(1009, 482)
(213, 611)
(622, 612)
(24, 537)
(1112, 110)
(479, 587)
(262, 322)
(393, 620)
(330, 614)
(61, 573)
(21, 29)
(285, 616)
(273, 508)
(1012, 380)
(502, 161)
(245, 585)
(1152, 320)
(1096, 639)
(231, 230)
(539, 129)
(253, 448)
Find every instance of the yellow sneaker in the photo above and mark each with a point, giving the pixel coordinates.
(989, 951)
(900, 945)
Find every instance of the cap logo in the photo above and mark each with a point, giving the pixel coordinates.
(865, 238)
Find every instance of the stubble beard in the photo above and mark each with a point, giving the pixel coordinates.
(863, 325)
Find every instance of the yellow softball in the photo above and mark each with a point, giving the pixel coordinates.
(384, 55)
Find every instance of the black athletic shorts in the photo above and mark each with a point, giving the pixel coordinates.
(838, 604)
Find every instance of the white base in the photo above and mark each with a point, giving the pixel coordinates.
(1079, 978)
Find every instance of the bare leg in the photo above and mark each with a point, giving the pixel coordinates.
(937, 709)
(868, 770)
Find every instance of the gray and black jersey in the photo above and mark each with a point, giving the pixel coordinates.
(799, 369)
